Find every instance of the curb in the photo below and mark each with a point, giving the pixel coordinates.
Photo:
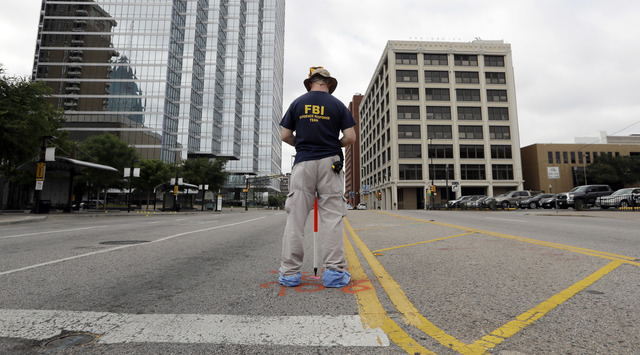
(19, 220)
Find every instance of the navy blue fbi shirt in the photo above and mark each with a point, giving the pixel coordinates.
(317, 117)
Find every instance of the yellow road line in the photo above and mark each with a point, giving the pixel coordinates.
(402, 303)
(371, 311)
(418, 243)
(414, 318)
(590, 252)
(388, 226)
(499, 335)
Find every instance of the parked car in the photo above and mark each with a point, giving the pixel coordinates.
(533, 202)
(626, 197)
(457, 203)
(490, 202)
(548, 202)
(484, 202)
(362, 206)
(582, 195)
(473, 201)
(86, 204)
(512, 198)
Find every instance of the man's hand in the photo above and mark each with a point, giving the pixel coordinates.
(349, 137)
(288, 137)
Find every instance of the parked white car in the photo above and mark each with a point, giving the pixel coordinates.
(627, 197)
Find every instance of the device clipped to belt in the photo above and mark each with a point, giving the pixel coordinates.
(337, 165)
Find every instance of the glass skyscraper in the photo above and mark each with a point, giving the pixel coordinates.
(173, 78)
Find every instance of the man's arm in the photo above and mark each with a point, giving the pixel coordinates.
(288, 137)
(348, 138)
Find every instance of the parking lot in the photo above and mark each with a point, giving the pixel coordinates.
(470, 290)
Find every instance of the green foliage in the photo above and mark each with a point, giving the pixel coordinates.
(276, 200)
(106, 149)
(203, 171)
(26, 117)
(616, 172)
(152, 174)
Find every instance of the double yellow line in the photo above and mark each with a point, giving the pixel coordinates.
(374, 314)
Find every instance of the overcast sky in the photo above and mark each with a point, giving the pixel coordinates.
(577, 63)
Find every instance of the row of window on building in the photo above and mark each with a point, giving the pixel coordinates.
(443, 94)
(576, 157)
(461, 60)
(442, 77)
(445, 151)
(447, 172)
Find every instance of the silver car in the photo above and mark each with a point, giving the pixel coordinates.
(627, 197)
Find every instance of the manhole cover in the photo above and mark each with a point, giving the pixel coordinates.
(124, 242)
(70, 339)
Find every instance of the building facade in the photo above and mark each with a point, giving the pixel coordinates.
(352, 157)
(173, 78)
(440, 114)
(571, 161)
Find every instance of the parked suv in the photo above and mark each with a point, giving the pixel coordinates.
(513, 197)
(582, 195)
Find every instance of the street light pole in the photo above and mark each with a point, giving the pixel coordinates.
(130, 180)
(430, 152)
(246, 194)
(447, 187)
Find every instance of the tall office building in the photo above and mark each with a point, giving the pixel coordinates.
(173, 78)
(441, 114)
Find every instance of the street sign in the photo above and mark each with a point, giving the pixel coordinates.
(39, 185)
(553, 172)
(40, 169)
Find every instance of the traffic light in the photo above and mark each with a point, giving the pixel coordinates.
(433, 188)
(248, 185)
(379, 196)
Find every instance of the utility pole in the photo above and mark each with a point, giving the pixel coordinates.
(431, 172)
(176, 206)
(130, 180)
(447, 185)
(40, 173)
(246, 195)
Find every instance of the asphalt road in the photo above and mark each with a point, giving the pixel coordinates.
(423, 282)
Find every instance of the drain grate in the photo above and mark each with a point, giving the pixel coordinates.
(124, 242)
(70, 339)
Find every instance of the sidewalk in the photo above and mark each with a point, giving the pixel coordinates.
(611, 214)
(20, 216)
(15, 217)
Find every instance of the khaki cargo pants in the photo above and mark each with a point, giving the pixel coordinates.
(306, 179)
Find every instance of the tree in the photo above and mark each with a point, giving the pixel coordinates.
(152, 174)
(26, 119)
(203, 171)
(277, 200)
(616, 172)
(106, 149)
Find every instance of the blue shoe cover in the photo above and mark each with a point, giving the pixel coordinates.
(290, 281)
(332, 278)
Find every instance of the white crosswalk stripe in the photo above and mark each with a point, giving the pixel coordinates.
(115, 328)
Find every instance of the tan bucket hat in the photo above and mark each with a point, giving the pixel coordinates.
(313, 71)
